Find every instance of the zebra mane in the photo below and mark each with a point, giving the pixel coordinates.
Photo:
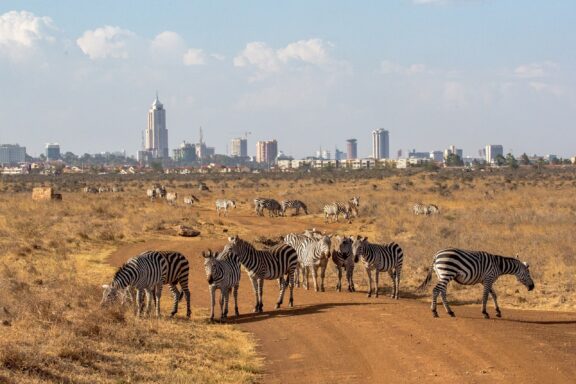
(120, 272)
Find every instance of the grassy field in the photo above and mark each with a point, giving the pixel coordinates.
(53, 261)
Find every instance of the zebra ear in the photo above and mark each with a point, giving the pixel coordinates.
(365, 238)
(105, 286)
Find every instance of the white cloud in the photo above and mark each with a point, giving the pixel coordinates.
(388, 67)
(21, 31)
(106, 42)
(168, 43)
(266, 59)
(454, 94)
(194, 56)
(535, 70)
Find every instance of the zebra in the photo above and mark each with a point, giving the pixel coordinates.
(316, 255)
(343, 258)
(274, 208)
(354, 204)
(470, 268)
(294, 204)
(90, 190)
(144, 273)
(420, 209)
(335, 209)
(433, 209)
(299, 243)
(278, 262)
(190, 199)
(222, 204)
(222, 272)
(387, 257)
(151, 193)
(160, 190)
(172, 197)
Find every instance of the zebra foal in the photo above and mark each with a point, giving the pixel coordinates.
(222, 272)
(470, 268)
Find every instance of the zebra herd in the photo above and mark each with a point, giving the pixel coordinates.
(311, 250)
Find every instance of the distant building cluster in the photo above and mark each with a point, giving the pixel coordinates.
(12, 154)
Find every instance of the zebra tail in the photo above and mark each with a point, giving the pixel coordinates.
(426, 281)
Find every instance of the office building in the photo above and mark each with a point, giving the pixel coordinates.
(492, 152)
(352, 149)
(156, 136)
(11, 154)
(239, 147)
(380, 144)
(266, 151)
(453, 150)
(52, 151)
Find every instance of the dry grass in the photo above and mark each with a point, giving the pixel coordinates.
(53, 259)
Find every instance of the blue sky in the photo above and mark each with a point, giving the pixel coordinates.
(308, 73)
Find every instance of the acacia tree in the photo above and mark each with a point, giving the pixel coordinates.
(511, 161)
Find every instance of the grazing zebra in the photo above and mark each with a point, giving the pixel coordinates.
(470, 268)
(380, 258)
(344, 259)
(144, 273)
(103, 189)
(336, 208)
(90, 190)
(151, 193)
(316, 255)
(190, 199)
(294, 204)
(433, 209)
(274, 208)
(222, 272)
(423, 209)
(278, 262)
(172, 197)
(222, 204)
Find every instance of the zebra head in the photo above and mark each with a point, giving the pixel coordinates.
(232, 203)
(345, 247)
(325, 244)
(523, 275)
(209, 264)
(112, 295)
(359, 247)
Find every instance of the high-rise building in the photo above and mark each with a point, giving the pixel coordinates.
(186, 153)
(53, 151)
(12, 154)
(239, 147)
(453, 150)
(266, 151)
(156, 136)
(492, 152)
(380, 144)
(352, 149)
(339, 155)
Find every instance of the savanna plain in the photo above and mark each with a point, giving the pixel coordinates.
(55, 255)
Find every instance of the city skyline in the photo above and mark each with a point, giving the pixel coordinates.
(465, 72)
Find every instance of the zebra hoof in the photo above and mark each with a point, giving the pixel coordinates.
(498, 314)
(369, 295)
(277, 306)
(452, 314)
(188, 314)
(486, 315)
(434, 314)
(322, 289)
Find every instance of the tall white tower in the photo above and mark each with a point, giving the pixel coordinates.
(380, 144)
(156, 132)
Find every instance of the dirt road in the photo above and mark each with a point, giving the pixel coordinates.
(348, 337)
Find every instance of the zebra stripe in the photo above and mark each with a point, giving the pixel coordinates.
(344, 259)
(380, 258)
(274, 208)
(177, 273)
(278, 262)
(293, 204)
(222, 204)
(470, 268)
(222, 272)
(299, 243)
(316, 255)
(144, 273)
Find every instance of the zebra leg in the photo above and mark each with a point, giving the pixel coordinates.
(157, 296)
(350, 278)
(186, 292)
(291, 284)
(323, 266)
(297, 275)
(139, 303)
(315, 277)
(339, 284)
(148, 301)
(212, 301)
(305, 277)
(493, 293)
(377, 273)
(397, 281)
(260, 295)
(282, 283)
(487, 289)
(392, 274)
(369, 272)
(235, 292)
(176, 295)
(255, 287)
(225, 298)
(445, 301)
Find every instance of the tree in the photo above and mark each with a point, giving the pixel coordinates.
(157, 167)
(511, 161)
(500, 160)
(453, 160)
(524, 160)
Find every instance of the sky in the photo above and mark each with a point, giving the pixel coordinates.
(309, 74)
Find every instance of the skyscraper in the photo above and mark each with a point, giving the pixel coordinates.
(12, 154)
(380, 144)
(492, 152)
(352, 149)
(239, 147)
(53, 151)
(266, 151)
(156, 136)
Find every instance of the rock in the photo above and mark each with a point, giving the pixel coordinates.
(182, 230)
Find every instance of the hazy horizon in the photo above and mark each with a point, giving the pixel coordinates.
(308, 74)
